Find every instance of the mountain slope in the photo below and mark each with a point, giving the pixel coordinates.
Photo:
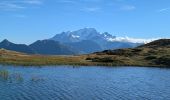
(85, 46)
(157, 44)
(16, 47)
(156, 53)
(50, 47)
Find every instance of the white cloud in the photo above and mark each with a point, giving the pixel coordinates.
(97, 5)
(17, 4)
(10, 6)
(91, 9)
(128, 7)
(67, 1)
(164, 9)
(132, 40)
(20, 16)
(35, 2)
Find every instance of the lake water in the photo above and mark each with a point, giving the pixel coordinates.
(84, 83)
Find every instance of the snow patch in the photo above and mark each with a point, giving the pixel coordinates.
(75, 36)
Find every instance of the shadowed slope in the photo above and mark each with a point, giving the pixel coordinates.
(16, 47)
(50, 47)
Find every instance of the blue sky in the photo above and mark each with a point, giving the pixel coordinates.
(24, 21)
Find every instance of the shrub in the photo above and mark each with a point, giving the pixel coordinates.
(164, 60)
(136, 50)
(150, 57)
(88, 58)
(105, 59)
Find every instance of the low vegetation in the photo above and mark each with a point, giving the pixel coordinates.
(11, 77)
(4, 74)
(164, 60)
(17, 77)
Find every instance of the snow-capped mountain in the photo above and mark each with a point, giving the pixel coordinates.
(83, 41)
(90, 38)
(82, 34)
(94, 35)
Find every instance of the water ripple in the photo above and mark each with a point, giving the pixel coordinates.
(86, 83)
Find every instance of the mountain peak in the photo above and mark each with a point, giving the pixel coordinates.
(76, 36)
(108, 36)
(83, 30)
(5, 40)
(15, 47)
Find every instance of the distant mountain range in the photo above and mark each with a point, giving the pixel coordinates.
(16, 47)
(82, 41)
(46, 47)
(88, 40)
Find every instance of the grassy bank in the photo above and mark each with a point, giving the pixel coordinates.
(15, 58)
(123, 57)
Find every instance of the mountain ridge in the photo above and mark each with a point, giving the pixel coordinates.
(16, 47)
(46, 47)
